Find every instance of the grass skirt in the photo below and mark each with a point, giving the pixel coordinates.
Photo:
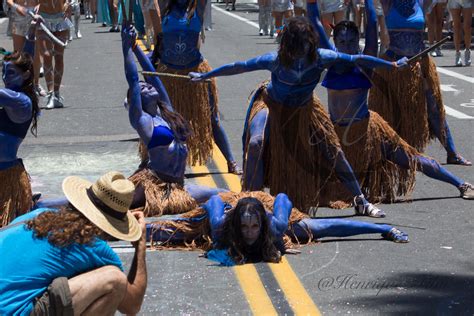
(292, 158)
(15, 193)
(399, 97)
(162, 198)
(198, 231)
(380, 179)
(192, 101)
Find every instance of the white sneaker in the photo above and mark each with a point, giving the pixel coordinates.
(434, 53)
(58, 101)
(260, 32)
(467, 57)
(458, 59)
(78, 34)
(49, 104)
(70, 36)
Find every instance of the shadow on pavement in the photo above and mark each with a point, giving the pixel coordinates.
(418, 294)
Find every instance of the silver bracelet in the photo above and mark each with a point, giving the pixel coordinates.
(15, 7)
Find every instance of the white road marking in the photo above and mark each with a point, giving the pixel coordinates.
(468, 105)
(325, 265)
(457, 114)
(449, 111)
(235, 16)
(448, 88)
(455, 74)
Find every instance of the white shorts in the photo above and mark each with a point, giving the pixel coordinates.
(282, 5)
(20, 23)
(300, 4)
(331, 6)
(56, 22)
(461, 4)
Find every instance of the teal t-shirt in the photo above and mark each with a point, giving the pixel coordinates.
(28, 265)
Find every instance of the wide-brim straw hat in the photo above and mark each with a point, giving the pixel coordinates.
(105, 203)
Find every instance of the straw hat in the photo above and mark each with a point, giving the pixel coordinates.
(105, 203)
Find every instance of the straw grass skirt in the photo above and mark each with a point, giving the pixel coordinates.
(15, 193)
(193, 102)
(380, 179)
(399, 97)
(292, 158)
(162, 198)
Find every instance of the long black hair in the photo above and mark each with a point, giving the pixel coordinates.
(24, 62)
(298, 38)
(345, 25)
(190, 8)
(263, 249)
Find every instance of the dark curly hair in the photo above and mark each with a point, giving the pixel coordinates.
(345, 25)
(64, 227)
(298, 39)
(263, 249)
(24, 62)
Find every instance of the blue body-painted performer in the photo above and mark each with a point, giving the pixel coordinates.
(177, 52)
(253, 226)
(384, 163)
(302, 149)
(159, 182)
(18, 111)
(410, 100)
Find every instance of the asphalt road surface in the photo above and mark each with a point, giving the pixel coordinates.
(363, 275)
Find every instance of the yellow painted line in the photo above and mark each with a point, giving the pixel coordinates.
(247, 275)
(254, 291)
(295, 293)
(232, 180)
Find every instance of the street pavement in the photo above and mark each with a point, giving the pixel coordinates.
(363, 275)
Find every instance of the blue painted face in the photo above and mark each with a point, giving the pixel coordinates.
(150, 98)
(12, 76)
(347, 41)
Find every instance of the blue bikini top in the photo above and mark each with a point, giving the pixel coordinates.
(405, 14)
(353, 79)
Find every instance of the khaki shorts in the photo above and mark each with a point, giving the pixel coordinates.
(56, 301)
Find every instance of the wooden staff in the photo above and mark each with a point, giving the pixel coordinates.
(165, 74)
(429, 49)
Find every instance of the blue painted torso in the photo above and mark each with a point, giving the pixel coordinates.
(406, 23)
(167, 160)
(348, 90)
(180, 44)
(11, 136)
(294, 86)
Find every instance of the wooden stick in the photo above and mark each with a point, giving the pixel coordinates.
(165, 74)
(429, 49)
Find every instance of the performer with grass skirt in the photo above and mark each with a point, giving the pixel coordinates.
(384, 163)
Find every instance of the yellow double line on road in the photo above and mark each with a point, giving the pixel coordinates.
(247, 275)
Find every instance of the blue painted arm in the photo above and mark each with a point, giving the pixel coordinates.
(329, 58)
(258, 63)
(140, 121)
(371, 38)
(314, 17)
(146, 65)
(17, 105)
(281, 213)
(215, 210)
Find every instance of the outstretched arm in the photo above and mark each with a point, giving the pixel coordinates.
(371, 46)
(215, 210)
(146, 65)
(329, 58)
(281, 213)
(258, 63)
(314, 17)
(137, 117)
